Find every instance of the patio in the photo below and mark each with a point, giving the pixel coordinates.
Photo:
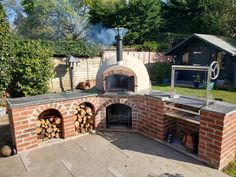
(105, 154)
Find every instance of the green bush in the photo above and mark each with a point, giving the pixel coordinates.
(75, 48)
(147, 46)
(6, 51)
(160, 71)
(32, 68)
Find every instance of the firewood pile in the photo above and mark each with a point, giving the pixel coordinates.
(49, 127)
(84, 118)
(86, 84)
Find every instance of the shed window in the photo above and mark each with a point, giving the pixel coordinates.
(185, 58)
(221, 59)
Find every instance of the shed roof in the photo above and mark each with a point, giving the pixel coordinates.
(226, 44)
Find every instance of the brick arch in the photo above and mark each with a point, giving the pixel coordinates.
(102, 110)
(56, 106)
(123, 71)
(127, 102)
(75, 104)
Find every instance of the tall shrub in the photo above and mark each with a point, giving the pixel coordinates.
(160, 71)
(6, 51)
(32, 68)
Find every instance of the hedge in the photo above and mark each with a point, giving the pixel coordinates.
(75, 48)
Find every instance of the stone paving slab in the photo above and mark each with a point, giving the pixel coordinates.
(107, 154)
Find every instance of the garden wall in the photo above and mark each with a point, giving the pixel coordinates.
(87, 68)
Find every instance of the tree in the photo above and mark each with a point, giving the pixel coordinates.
(181, 16)
(141, 18)
(32, 69)
(6, 51)
(53, 19)
(218, 17)
(215, 17)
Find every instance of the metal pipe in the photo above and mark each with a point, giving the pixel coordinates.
(119, 48)
(72, 76)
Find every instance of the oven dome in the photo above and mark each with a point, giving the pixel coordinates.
(130, 66)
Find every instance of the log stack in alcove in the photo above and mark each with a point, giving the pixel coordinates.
(84, 118)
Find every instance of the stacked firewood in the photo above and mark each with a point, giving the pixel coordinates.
(49, 127)
(84, 118)
(86, 84)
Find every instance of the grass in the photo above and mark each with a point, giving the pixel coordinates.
(231, 169)
(226, 95)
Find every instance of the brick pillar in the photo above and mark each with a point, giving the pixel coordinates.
(151, 118)
(68, 126)
(228, 147)
(23, 128)
(210, 137)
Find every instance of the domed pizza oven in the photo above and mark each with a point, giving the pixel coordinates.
(131, 75)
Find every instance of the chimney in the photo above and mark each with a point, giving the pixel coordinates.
(119, 49)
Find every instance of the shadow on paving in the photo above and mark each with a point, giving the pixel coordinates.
(142, 144)
(166, 175)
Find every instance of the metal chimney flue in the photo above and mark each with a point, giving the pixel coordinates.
(119, 48)
(119, 44)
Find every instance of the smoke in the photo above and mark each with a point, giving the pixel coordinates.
(102, 35)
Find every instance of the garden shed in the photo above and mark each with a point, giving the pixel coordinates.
(202, 49)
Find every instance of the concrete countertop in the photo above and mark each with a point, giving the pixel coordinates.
(215, 106)
(220, 108)
(48, 98)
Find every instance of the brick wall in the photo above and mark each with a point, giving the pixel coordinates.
(217, 138)
(23, 121)
(152, 121)
(87, 68)
(217, 132)
(228, 146)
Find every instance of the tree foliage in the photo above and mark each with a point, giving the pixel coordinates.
(6, 51)
(75, 48)
(215, 17)
(53, 19)
(32, 69)
(141, 18)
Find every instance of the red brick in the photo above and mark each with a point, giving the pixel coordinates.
(22, 127)
(22, 145)
(31, 146)
(30, 138)
(26, 113)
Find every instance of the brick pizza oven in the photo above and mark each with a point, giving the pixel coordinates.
(124, 100)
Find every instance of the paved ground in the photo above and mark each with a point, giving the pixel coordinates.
(107, 154)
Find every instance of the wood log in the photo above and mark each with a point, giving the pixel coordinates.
(57, 135)
(38, 124)
(76, 124)
(88, 110)
(38, 130)
(58, 121)
(52, 134)
(82, 105)
(82, 112)
(47, 122)
(82, 130)
(49, 130)
(80, 119)
(42, 121)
